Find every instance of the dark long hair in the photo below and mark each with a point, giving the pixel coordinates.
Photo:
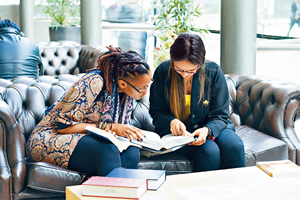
(115, 64)
(189, 47)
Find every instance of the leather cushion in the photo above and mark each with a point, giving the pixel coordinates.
(260, 146)
(171, 162)
(50, 178)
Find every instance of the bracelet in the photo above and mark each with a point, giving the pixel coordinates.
(102, 124)
(106, 124)
(110, 125)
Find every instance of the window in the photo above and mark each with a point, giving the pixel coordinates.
(130, 14)
(9, 2)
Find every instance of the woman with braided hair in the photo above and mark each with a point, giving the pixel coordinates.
(103, 97)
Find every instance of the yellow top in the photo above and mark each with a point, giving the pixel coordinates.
(188, 103)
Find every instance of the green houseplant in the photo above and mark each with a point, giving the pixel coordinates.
(65, 19)
(175, 17)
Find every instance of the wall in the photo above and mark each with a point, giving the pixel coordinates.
(10, 12)
(40, 26)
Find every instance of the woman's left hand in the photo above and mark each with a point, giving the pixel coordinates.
(202, 134)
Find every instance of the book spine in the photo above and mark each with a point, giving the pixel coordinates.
(109, 197)
(266, 171)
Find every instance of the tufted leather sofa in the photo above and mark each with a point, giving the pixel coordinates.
(263, 109)
(67, 57)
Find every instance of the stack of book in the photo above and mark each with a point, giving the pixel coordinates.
(124, 183)
(155, 177)
(98, 186)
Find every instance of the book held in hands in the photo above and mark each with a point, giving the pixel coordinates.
(280, 168)
(121, 142)
(152, 141)
(155, 177)
(98, 186)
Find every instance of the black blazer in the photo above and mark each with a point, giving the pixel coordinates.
(212, 110)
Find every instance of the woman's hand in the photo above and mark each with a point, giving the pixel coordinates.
(128, 131)
(202, 134)
(178, 128)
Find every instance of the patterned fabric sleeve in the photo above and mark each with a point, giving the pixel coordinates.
(78, 99)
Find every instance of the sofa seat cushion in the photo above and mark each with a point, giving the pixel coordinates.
(50, 178)
(260, 146)
(171, 162)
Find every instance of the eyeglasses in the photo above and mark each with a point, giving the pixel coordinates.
(139, 91)
(178, 70)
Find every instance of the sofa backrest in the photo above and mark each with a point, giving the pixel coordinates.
(262, 103)
(68, 57)
(28, 99)
(253, 100)
(59, 58)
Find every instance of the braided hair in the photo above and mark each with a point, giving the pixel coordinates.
(116, 63)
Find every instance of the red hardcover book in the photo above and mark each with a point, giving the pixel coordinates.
(114, 187)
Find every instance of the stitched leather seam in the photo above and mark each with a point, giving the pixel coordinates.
(294, 115)
(59, 170)
(45, 189)
(5, 155)
(39, 88)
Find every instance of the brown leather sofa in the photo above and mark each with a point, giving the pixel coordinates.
(263, 110)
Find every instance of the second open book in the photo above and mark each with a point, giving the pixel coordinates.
(152, 142)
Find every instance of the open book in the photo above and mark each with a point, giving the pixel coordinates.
(152, 142)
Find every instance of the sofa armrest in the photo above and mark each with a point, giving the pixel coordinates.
(5, 176)
(266, 104)
(294, 135)
(14, 147)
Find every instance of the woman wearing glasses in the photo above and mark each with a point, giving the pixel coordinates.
(103, 98)
(189, 96)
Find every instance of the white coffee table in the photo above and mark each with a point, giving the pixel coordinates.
(240, 183)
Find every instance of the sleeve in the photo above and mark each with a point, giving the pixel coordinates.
(37, 57)
(78, 99)
(294, 9)
(159, 109)
(219, 107)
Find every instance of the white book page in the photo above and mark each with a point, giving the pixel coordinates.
(126, 143)
(120, 142)
(171, 141)
(152, 140)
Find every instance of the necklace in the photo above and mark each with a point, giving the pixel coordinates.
(189, 82)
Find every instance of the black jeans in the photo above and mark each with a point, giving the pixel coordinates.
(226, 151)
(96, 156)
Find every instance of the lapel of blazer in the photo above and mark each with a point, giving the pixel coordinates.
(195, 92)
(167, 85)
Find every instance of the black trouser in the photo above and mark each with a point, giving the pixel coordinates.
(96, 156)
